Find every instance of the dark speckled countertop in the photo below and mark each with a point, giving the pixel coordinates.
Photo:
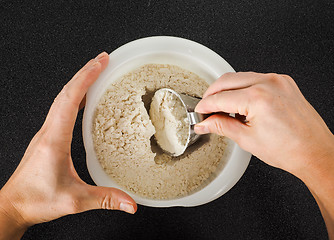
(43, 44)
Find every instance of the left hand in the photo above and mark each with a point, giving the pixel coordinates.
(45, 185)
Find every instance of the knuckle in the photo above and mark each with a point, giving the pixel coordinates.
(247, 74)
(76, 200)
(278, 79)
(226, 75)
(76, 206)
(42, 131)
(64, 95)
(45, 143)
(260, 97)
(215, 101)
(255, 93)
(273, 77)
(89, 63)
(252, 72)
(288, 79)
(218, 127)
(71, 202)
(107, 202)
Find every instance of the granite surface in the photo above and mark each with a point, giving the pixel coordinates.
(42, 45)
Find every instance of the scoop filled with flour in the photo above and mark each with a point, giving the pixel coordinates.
(169, 117)
(122, 132)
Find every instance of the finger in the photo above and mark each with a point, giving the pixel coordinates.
(94, 197)
(224, 125)
(231, 101)
(232, 81)
(62, 115)
(101, 58)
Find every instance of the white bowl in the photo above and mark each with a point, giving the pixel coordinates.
(188, 55)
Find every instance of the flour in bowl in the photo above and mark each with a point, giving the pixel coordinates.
(122, 132)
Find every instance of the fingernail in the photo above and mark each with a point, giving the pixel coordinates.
(198, 107)
(201, 129)
(126, 207)
(101, 55)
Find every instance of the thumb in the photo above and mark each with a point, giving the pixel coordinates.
(222, 124)
(95, 197)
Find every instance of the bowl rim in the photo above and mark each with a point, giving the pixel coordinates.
(238, 159)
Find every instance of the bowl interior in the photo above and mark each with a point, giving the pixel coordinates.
(185, 54)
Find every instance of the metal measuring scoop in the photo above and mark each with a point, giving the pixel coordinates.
(189, 104)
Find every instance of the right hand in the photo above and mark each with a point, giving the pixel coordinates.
(283, 129)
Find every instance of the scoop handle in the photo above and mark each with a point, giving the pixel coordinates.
(195, 117)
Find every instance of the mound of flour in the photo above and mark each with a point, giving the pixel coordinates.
(170, 120)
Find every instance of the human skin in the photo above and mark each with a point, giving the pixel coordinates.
(45, 185)
(281, 128)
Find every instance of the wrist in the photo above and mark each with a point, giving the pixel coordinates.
(317, 164)
(318, 175)
(12, 225)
